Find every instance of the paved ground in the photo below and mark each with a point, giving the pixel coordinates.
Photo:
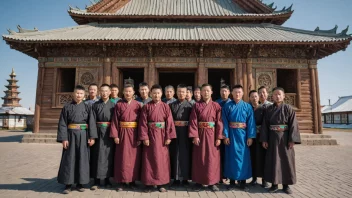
(29, 170)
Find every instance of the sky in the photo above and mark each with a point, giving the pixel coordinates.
(334, 71)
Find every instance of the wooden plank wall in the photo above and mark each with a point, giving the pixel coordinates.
(304, 115)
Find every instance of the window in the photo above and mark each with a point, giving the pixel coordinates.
(287, 79)
(67, 77)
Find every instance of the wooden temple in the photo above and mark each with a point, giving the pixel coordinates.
(179, 41)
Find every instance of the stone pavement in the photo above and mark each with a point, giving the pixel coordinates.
(30, 170)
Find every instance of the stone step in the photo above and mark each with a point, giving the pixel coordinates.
(46, 138)
(318, 141)
(306, 135)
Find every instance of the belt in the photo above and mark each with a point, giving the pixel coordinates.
(278, 128)
(259, 128)
(159, 125)
(103, 124)
(78, 126)
(206, 125)
(181, 123)
(238, 125)
(128, 124)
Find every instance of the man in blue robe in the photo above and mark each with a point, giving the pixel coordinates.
(239, 131)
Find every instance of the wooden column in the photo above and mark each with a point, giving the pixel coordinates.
(151, 67)
(250, 81)
(114, 75)
(299, 91)
(38, 97)
(239, 72)
(312, 69)
(234, 77)
(107, 71)
(320, 128)
(53, 97)
(245, 78)
(146, 79)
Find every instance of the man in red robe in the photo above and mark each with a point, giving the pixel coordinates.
(206, 129)
(124, 131)
(156, 129)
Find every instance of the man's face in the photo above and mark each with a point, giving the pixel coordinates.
(181, 93)
(156, 95)
(105, 92)
(93, 91)
(197, 95)
(237, 94)
(278, 96)
(263, 95)
(206, 92)
(224, 93)
(254, 98)
(114, 92)
(189, 95)
(169, 93)
(144, 91)
(128, 93)
(78, 95)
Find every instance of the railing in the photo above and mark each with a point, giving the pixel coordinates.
(63, 98)
(291, 98)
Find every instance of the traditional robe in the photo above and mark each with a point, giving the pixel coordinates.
(169, 101)
(92, 101)
(74, 166)
(142, 101)
(237, 154)
(155, 157)
(115, 100)
(181, 148)
(280, 160)
(257, 151)
(206, 156)
(102, 152)
(127, 153)
(192, 102)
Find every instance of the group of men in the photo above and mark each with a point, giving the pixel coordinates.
(155, 140)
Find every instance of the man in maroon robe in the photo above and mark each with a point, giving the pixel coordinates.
(124, 131)
(206, 129)
(156, 129)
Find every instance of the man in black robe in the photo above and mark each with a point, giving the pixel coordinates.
(93, 94)
(76, 137)
(144, 92)
(180, 148)
(169, 95)
(102, 156)
(189, 95)
(279, 134)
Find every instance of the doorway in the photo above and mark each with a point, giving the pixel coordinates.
(175, 78)
(217, 77)
(135, 75)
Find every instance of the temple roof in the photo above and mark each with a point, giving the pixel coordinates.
(179, 32)
(185, 9)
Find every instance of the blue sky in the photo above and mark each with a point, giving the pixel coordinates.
(334, 71)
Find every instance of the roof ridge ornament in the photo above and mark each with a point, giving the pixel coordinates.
(22, 30)
(284, 9)
(344, 32)
(331, 31)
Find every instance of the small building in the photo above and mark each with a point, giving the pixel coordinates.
(338, 115)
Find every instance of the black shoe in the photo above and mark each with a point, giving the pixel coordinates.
(221, 181)
(148, 189)
(214, 188)
(67, 189)
(197, 187)
(121, 187)
(95, 185)
(273, 188)
(254, 181)
(265, 184)
(80, 188)
(175, 184)
(133, 186)
(185, 183)
(232, 182)
(162, 189)
(108, 183)
(244, 187)
(287, 189)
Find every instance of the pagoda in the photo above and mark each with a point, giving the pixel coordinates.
(179, 41)
(11, 98)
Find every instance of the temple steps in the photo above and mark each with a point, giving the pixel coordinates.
(309, 139)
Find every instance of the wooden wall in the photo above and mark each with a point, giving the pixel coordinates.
(304, 115)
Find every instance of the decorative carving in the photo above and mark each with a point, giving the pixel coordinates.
(264, 80)
(266, 77)
(175, 52)
(290, 98)
(268, 52)
(87, 78)
(64, 98)
(74, 51)
(127, 52)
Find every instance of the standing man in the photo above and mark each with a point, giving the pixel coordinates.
(72, 133)
(180, 148)
(206, 129)
(102, 153)
(257, 151)
(93, 94)
(279, 135)
(169, 94)
(239, 130)
(196, 92)
(263, 96)
(144, 92)
(224, 93)
(124, 132)
(189, 95)
(156, 129)
(114, 93)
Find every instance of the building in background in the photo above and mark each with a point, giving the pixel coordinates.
(338, 115)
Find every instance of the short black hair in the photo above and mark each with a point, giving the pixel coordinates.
(156, 86)
(105, 85)
(80, 87)
(279, 88)
(189, 88)
(237, 87)
(170, 87)
(197, 87)
(114, 86)
(225, 87)
(262, 87)
(207, 85)
(182, 86)
(128, 85)
(143, 84)
(252, 91)
(92, 84)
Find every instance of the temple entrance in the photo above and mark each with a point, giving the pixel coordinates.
(175, 78)
(217, 77)
(135, 76)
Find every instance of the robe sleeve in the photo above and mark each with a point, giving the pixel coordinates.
(264, 133)
(219, 128)
(294, 135)
(170, 126)
(92, 123)
(143, 124)
(114, 131)
(193, 123)
(225, 121)
(250, 122)
(62, 128)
